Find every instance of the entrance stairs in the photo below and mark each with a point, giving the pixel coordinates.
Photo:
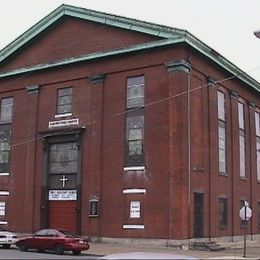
(207, 246)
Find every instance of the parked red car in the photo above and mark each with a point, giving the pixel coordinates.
(54, 240)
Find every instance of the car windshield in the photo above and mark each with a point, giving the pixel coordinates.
(67, 233)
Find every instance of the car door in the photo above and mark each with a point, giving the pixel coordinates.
(52, 235)
(37, 240)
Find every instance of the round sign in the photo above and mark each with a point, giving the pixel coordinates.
(245, 213)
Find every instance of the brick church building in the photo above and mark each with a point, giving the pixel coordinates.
(117, 128)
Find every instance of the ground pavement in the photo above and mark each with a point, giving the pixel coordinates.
(252, 252)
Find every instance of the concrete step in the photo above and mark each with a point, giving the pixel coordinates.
(207, 246)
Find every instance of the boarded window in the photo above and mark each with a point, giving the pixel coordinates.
(258, 157)
(221, 133)
(221, 106)
(257, 130)
(241, 116)
(257, 123)
(223, 212)
(242, 154)
(258, 214)
(222, 148)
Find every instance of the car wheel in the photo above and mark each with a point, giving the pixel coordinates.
(6, 246)
(58, 249)
(23, 247)
(76, 252)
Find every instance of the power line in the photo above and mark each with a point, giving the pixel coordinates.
(127, 111)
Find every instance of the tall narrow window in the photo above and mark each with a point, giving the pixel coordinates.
(257, 130)
(223, 213)
(5, 133)
(135, 121)
(64, 104)
(221, 133)
(242, 141)
(258, 214)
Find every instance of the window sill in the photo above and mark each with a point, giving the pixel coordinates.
(223, 227)
(223, 174)
(134, 168)
(4, 173)
(4, 193)
(134, 191)
(63, 115)
(133, 226)
(243, 178)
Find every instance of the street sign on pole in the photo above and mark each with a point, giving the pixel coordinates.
(245, 214)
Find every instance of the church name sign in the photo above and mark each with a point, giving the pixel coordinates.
(65, 122)
(62, 195)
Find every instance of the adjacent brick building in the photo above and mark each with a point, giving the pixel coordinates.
(118, 128)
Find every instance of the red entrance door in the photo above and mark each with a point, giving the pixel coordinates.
(62, 215)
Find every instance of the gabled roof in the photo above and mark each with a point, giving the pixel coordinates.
(167, 36)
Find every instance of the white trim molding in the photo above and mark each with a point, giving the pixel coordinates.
(4, 193)
(133, 226)
(4, 173)
(134, 191)
(63, 115)
(134, 168)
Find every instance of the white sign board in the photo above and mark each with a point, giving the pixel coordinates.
(245, 213)
(2, 208)
(65, 122)
(62, 195)
(135, 209)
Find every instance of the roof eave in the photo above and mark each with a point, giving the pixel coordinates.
(221, 61)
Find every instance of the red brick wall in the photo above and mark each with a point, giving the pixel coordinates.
(168, 202)
(72, 38)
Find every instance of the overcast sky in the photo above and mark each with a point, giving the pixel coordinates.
(225, 25)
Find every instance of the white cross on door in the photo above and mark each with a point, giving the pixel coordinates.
(63, 180)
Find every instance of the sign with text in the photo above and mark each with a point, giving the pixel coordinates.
(135, 208)
(62, 195)
(2, 208)
(65, 122)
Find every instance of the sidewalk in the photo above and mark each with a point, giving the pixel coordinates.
(101, 249)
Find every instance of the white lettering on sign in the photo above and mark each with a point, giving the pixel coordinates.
(65, 122)
(2, 208)
(62, 195)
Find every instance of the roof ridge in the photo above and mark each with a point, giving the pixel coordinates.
(125, 18)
